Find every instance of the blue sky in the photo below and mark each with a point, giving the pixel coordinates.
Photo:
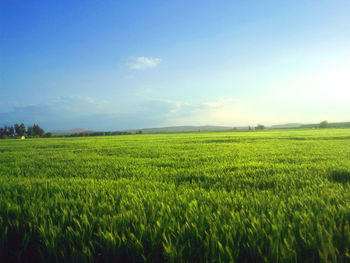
(112, 65)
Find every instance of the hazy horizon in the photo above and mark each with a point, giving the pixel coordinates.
(120, 65)
(247, 126)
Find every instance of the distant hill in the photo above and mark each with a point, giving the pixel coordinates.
(209, 128)
(72, 131)
(171, 129)
(286, 126)
(330, 125)
(205, 128)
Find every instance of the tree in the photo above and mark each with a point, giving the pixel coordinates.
(11, 131)
(38, 131)
(30, 131)
(16, 128)
(260, 127)
(6, 130)
(20, 129)
(324, 124)
(48, 135)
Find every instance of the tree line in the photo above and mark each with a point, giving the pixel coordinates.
(19, 130)
(97, 133)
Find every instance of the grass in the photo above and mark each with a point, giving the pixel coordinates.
(271, 196)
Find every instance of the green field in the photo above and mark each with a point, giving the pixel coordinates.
(270, 196)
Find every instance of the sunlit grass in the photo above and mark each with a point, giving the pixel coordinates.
(273, 196)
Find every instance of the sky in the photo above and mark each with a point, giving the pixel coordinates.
(116, 65)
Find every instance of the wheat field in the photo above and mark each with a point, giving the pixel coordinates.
(269, 196)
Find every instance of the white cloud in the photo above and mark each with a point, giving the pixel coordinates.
(143, 62)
